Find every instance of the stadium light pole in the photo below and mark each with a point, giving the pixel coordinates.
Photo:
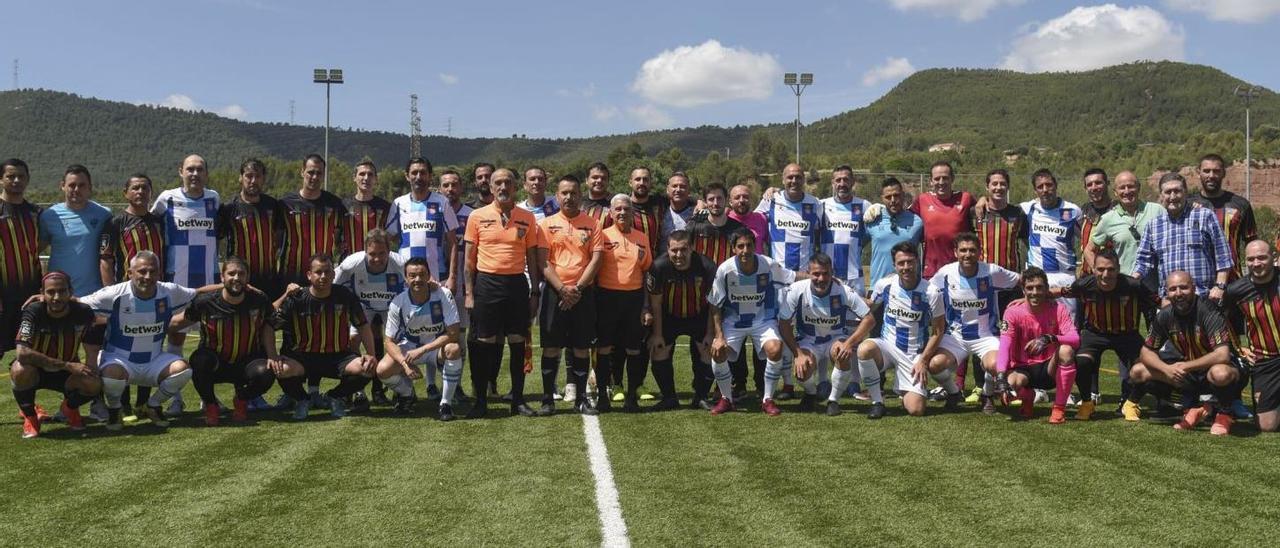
(1247, 94)
(328, 78)
(797, 85)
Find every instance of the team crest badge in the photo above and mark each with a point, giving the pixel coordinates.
(762, 281)
(161, 307)
(210, 208)
(432, 209)
(520, 233)
(393, 280)
(915, 299)
(982, 286)
(835, 301)
(807, 209)
(857, 211)
(1066, 215)
(1003, 326)
(436, 309)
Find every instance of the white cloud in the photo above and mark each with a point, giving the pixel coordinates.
(178, 101)
(651, 117)
(894, 68)
(966, 10)
(1238, 11)
(186, 102)
(448, 79)
(233, 111)
(604, 113)
(1091, 37)
(690, 76)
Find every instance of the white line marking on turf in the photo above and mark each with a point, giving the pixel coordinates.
(613, 530)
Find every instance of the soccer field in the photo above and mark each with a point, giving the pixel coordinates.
(683, 478)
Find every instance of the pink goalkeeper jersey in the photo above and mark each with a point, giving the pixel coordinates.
(1020, 326)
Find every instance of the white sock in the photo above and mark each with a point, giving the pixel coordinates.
(810, 386)
(788, 371)
(947, 380)
(840, 380)
(772, 372)
(870, 373)
(112, 389)
(399, 385)
(724, 378)
(169, 387)
(452, 376)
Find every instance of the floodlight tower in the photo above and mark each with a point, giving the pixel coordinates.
(1247, 94)
(327, 77)
(797, 85)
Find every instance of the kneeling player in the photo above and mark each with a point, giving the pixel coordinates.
(237, 343)
(913, 338)
(817, 319)
(315, 322)
(1038, 342)
(48, 345)
(422, 330)
(139, 314)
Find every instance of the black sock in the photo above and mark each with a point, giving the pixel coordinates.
(480, 355)
(604, 370)
(495, 360)
(578, 372)
(550, 366)
(758, 364)
(1086, 377)
(702, 378)
(1137, 390)
(377, 385)
(637, 370)
(517, 371)
(26, 401)
(664, 374)
(619, 368)
(1160, 390)
(740, 372)
(203, 363)
(348, 384)
(975, 365)
(293, 387)
(75, 399)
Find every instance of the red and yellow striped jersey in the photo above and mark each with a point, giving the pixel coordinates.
(1259, 304)
(19, 248)
(314, 324)
(126, 234)
(361, 218)
(1112, 312)
(711, 241)
(1194, 334)
(1002, 234)
(684, 292)
(57, 338)
(1235, 216)
(310, 227)
(232, 331)
(251, 232)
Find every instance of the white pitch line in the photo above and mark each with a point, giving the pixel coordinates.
(613, 530)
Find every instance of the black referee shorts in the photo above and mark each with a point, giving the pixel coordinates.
(1127, 346)
(572, 328)
(501, 305)
(619, 318)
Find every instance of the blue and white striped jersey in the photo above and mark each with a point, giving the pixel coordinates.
(971, 303)
(548, 208)
(1051, 242)
(137, 327)
(375, 291)
(905, 314)
(794, 228)
(749, 300)
(842, 238)
(821, 319)
(421, 228)
(191, 236)
(420, 323)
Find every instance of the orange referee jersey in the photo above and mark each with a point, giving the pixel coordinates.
(570, 244)
(626, 257)
(500, 249)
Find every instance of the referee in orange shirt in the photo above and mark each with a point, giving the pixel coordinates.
(620, 302)
(501, 238)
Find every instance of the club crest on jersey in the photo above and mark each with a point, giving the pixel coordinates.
(857, 210)
(436, 310)
(806, 209)
(433, 208)
(393, 280)
(835, 302)
(1003, 326)
(1065, 214)
(915, 299)
(983, 286)
(161, 307)
(762, 281)
(520, 232)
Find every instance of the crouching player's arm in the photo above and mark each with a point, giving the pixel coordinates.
(920, 369)
(280, 366)
(803, 363)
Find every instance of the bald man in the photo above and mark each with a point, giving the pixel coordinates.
(1256, 299)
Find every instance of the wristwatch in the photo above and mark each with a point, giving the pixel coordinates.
(1220, 285)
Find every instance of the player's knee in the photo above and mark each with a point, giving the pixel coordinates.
(22, 376)
(941, 361)
(605, 351)
(257, 368)
(453, 351)
(1066, 354)
(515, 338)
(1139, 373)
(1269, 422)
(114, 371)
(547, 352)
(86, 386)
(175, 368)
(867, 350)
(203, 360)
(1222, 375)
(633, 351)
(773, 350)
(1084, 361)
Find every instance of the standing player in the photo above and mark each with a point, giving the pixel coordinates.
(744, 303)
(897, 225)
(237, 344)
(844, 235)
(1234, 213)
(139, 312)
(1203, 363)
(480, 175)
(452, 188)
(1037, 347)
(679, 210)
(313, 221)
(596, 202)
(740, 211)
(316, 321)
(425, 223)
(817, 320)
(678, 284)
(536, 201)
(1055, 226)
(73, 229)
(1256, 297)
(1002, 231)
(970, 291)
(945, 214)
(247, 225)
(365, 210)
(912, 338)
(711, 230)
(1097, 188)
(136, 229)
(48, 342)
(422, 330)
(571, 253)
(621, 301)
(19, 248)
(375, 275)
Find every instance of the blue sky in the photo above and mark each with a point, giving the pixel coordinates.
(576, 68)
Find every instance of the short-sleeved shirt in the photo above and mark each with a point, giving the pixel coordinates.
(943, 220)
(420, 323)
(548, 208)
(794, 228)
(250, 231)
(1051, 239)
(19, 249)
(1235, 216)
(646, 217)
(310, 227)
(1192, 335)
(626, 256)
(463, 212)
(361, 218)
(972, 303)
(233, 331)
(843, 237)
(1259, 305)
(819, 319)
(1122, 232)
(887, 231)
(137, 327)
(375, 290)
(1002, 234)
(501, 248)
(1090, 215)
(57, 338)
(906, 315)
(319, 325)
(570, 243)
(127, 234)
(749, 299)
(1112, 312)
(191, 234)
(757, 224)
(421, 227)
(711, 241)
(74, 238)
(684, 292)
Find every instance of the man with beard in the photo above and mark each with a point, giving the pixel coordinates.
(375, 275)
(422, 331)
(451, 187)
(945, 214)
(678, 283)
(596, 202)
(1186, 239)
(1256, 298)
(536, 200)
(313, 221)
(237, 344)
(365, 211)
(712, 228)
(247, 226)
(1196, 329)
(679, 210)
(1234, 213)
(48, 343)
(19, 248)
(502, 242)
(1097, 188)
(844, 234)
(897, 225)
(425, 224)
(1038, 340)
(740, 211)
(481, 174)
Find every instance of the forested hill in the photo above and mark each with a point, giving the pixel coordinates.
(1118, 108)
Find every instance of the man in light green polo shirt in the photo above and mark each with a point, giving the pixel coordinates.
(1122, 227)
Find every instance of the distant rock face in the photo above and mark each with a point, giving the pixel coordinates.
(1265, 177)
